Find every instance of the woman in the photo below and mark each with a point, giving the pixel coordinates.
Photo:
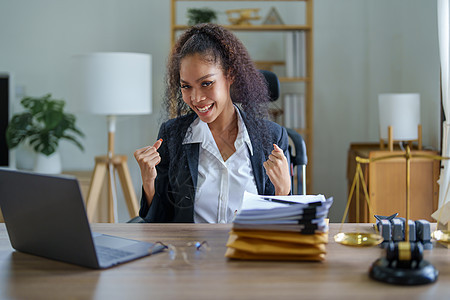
(219, 144)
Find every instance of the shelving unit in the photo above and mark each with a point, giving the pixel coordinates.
(306, 80)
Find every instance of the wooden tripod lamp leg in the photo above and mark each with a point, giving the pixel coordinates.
(112, 195)
(127, 187)
(95, 188)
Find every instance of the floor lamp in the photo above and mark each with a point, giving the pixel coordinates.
(113, 84)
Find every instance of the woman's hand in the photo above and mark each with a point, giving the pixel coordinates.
(278, 171)
(147, 158)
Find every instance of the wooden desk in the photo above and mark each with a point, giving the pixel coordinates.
(386, 182)
(343, 275)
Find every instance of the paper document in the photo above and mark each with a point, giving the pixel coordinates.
(253, 201)
(283, 206)
(302, 213)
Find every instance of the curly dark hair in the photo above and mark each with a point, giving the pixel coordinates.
(218, 45)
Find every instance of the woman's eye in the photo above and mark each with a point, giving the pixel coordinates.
(185, 86)
(207, 83)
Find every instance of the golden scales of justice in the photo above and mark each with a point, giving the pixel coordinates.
(403, 263)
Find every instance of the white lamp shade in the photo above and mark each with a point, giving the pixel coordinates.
(402, 112)
(113, 83)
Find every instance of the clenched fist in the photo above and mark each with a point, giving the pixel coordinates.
(147, 158)
(277, 169)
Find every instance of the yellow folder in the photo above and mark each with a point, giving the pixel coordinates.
(283, 236)
(265, 247)
(237, 254)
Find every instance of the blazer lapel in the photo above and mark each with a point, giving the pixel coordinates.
(257, 159)
(192, 152)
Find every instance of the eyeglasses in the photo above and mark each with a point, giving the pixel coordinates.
(192, 251)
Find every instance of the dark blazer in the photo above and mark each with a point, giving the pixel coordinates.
(176, 181)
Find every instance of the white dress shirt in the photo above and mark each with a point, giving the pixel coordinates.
(220, 184)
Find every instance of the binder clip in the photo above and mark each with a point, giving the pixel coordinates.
(423, 233)
(392, 228)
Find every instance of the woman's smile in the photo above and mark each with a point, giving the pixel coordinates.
(204, 109)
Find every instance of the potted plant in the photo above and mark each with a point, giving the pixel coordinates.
(43, 124)
(200, 15)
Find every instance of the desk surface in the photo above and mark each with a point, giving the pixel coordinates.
(344, 273)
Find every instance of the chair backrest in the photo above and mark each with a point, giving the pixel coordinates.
(273, 84)
(298, 155)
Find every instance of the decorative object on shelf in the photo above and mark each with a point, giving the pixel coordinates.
(112, 84)
(273, 18)
(399, 116)
(201, 15)
(404, 263)
(43, 124)
(242, 16)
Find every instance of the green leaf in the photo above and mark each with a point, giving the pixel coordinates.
(74, 140)
(43, 123)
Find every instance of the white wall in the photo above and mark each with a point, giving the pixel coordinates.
(362, 48)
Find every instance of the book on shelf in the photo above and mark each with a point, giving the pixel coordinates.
(294, 110)
(295, 54)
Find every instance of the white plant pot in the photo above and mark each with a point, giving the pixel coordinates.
(48, 164)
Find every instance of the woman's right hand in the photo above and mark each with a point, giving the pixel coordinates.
(147, 158)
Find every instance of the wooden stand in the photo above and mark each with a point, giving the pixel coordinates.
(106, 166)
(391, 139)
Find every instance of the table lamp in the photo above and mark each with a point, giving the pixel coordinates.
(399, 116)
(113, 84)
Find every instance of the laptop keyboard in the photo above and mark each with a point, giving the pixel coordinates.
(106, 253)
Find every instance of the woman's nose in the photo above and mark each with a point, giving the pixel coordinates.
(196, 96)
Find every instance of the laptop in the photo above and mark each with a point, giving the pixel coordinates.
(45, 216)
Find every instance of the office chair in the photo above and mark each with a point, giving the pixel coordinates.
(298, 155)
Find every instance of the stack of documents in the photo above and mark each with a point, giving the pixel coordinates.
(280, 228)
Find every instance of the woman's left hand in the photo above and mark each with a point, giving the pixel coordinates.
(277, 169)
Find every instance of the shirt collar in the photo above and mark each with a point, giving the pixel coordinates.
(199, 132)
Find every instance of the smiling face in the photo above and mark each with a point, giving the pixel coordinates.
(206, 89)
